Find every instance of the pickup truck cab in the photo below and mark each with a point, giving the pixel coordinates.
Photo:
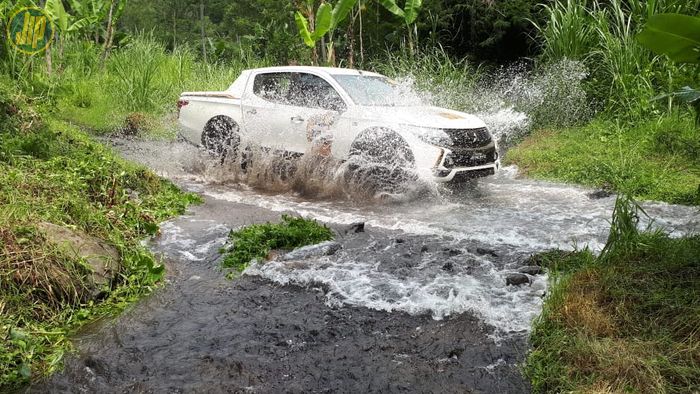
(349, 115)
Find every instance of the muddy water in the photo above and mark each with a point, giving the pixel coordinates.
(416, 303)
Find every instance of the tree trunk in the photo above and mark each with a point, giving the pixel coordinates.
(362, 49)
(49, 63)
(323, 49)
(110, 32)
(351, 50)
(201, 19)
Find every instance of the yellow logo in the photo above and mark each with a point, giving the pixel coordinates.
(30, 30)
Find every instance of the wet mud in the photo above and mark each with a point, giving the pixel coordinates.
(204, 333)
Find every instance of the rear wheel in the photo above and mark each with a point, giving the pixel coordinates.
(380, 161)
(221, 137)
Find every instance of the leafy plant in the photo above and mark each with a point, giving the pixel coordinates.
(678, 37)
(256, 241)
(408, 14)
(326, 21)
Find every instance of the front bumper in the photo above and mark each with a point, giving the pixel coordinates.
(462, 170)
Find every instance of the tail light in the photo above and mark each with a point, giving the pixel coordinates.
(180, 104)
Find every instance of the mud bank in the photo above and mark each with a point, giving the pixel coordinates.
(204, 333)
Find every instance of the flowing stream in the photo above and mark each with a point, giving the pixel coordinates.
(418, 302)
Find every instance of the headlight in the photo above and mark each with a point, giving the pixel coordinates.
(430, 135)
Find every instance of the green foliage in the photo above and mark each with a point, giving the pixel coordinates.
(256, 241)
(678, 37)
(674, 35)
(52, 172)
(624, 76)
(653, 160)
(625, 321)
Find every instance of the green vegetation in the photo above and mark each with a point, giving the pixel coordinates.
(256, 241)
(601, 104)
(51, 172)
(641, 142)
(654, 160)
(625, 321)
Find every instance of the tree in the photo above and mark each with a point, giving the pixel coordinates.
(325, 22)
(409, 14)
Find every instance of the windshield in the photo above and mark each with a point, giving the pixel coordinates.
(377, 90)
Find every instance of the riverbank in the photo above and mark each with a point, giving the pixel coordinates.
(655, 160)
(72, 214)
(623, 321)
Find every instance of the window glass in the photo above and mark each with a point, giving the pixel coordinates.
(273, 87)
(374, 90)
(308, 90)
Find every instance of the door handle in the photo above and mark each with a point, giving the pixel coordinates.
(252, 111)
(297, 119)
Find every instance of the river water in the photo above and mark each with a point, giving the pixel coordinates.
(418, 302)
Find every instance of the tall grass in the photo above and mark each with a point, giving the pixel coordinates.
(625, 321)
(624, 76)
(141, 77)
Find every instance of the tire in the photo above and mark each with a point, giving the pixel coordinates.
(380, 161)
(221, 137)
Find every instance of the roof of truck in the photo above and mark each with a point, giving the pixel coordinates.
(328, 70)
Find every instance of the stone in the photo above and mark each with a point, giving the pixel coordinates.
(600, 193)
(452, 252)
(103, 259)
(448, 266)
(484, 251)
(354, 228)
(531, 270)
(517, 279)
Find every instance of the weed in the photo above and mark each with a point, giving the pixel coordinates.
(256, 241)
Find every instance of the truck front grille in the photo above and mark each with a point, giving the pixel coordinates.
(470, 158)
(469, 138)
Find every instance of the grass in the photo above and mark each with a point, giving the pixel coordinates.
(52, 172)
(651, 160)
(625, 321)
(256, 241)
(624, 76)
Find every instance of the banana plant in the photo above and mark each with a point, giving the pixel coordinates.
(95, 11)
(325, 22)
(678, 37)
(65, 23)
(408, 14)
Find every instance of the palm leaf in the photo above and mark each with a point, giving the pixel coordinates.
(341, 11)
(674, 35)
(391, 6)
(411, 10)
(324, 17)
(303, 27)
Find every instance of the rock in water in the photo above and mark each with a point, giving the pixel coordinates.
(353, 228)
(517, 279)
(531, 270)
(484, 251)
(323, 249)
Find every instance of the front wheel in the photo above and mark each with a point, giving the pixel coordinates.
(380, 161)
(221, 137)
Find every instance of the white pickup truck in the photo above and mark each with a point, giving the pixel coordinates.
(349, 115)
